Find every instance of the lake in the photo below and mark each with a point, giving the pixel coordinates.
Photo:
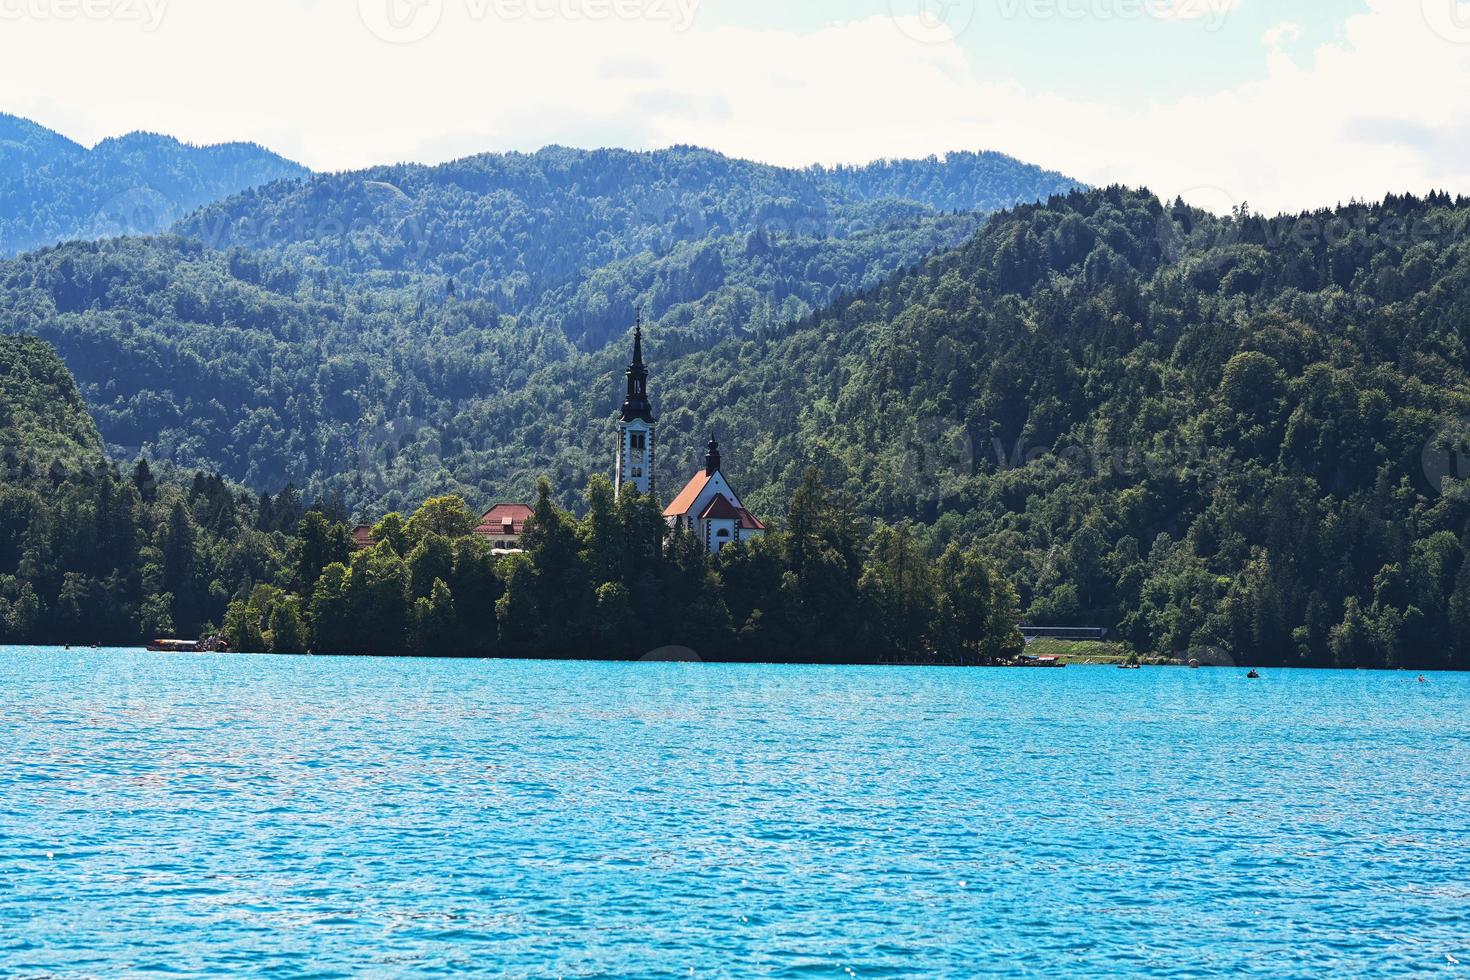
(195, 814)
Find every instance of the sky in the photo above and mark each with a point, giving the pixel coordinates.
(1278, 104)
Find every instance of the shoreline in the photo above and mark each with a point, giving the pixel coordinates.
(650, 659)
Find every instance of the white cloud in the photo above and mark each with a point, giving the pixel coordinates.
(1280, 34)
(1383, 109)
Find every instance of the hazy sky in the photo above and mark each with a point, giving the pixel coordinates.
(1281, 103)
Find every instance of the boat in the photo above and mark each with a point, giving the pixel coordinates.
(174, 646)
(1253, 676)
(1032, 660)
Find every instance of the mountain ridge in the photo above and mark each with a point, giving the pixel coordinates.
(54, 189)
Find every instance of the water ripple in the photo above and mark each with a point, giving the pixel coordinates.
(329, 818)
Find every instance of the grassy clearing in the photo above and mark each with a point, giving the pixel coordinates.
(1080, 651)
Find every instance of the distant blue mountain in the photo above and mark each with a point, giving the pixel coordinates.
(53, 189)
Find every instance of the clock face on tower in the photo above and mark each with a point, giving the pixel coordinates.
(637, 442)
(636, 446)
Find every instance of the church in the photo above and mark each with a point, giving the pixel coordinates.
(707, 506)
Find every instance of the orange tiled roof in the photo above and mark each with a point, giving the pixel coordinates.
(685, 501)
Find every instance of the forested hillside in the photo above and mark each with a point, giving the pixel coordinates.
(91, 553)
(42, 417)
(311, 363)
(235, 363)
(1211, 433)
(1229, 433)
(527, 232)
(1207, 432)
(954, 182)
(54, 190)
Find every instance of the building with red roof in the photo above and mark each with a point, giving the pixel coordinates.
(503, 525)
(707, 505)
(710, 508)
(501, 528)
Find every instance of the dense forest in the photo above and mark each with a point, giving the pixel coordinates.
(42, 416)
(1239, 432)
(665, 229)
(92, 553)
(324, 370)
(617, 584)
(54, 190)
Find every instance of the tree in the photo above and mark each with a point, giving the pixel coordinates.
(333, 630)
(447, 517)
(155, 619)
(435, 623)
(977, 610)
(392, 531)
(144, 481)
(430, 563)
(318, 543)
(176, 545)
(287, 632)
(898, 590)
(378, 602)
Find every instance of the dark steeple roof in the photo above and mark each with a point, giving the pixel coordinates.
(637, 405)
(712, 458)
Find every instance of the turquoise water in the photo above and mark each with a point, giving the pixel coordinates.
(189, 815)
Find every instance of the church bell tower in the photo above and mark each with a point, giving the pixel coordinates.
(638, 429)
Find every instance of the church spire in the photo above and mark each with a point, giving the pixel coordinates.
(712, 458)
(637, 404)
